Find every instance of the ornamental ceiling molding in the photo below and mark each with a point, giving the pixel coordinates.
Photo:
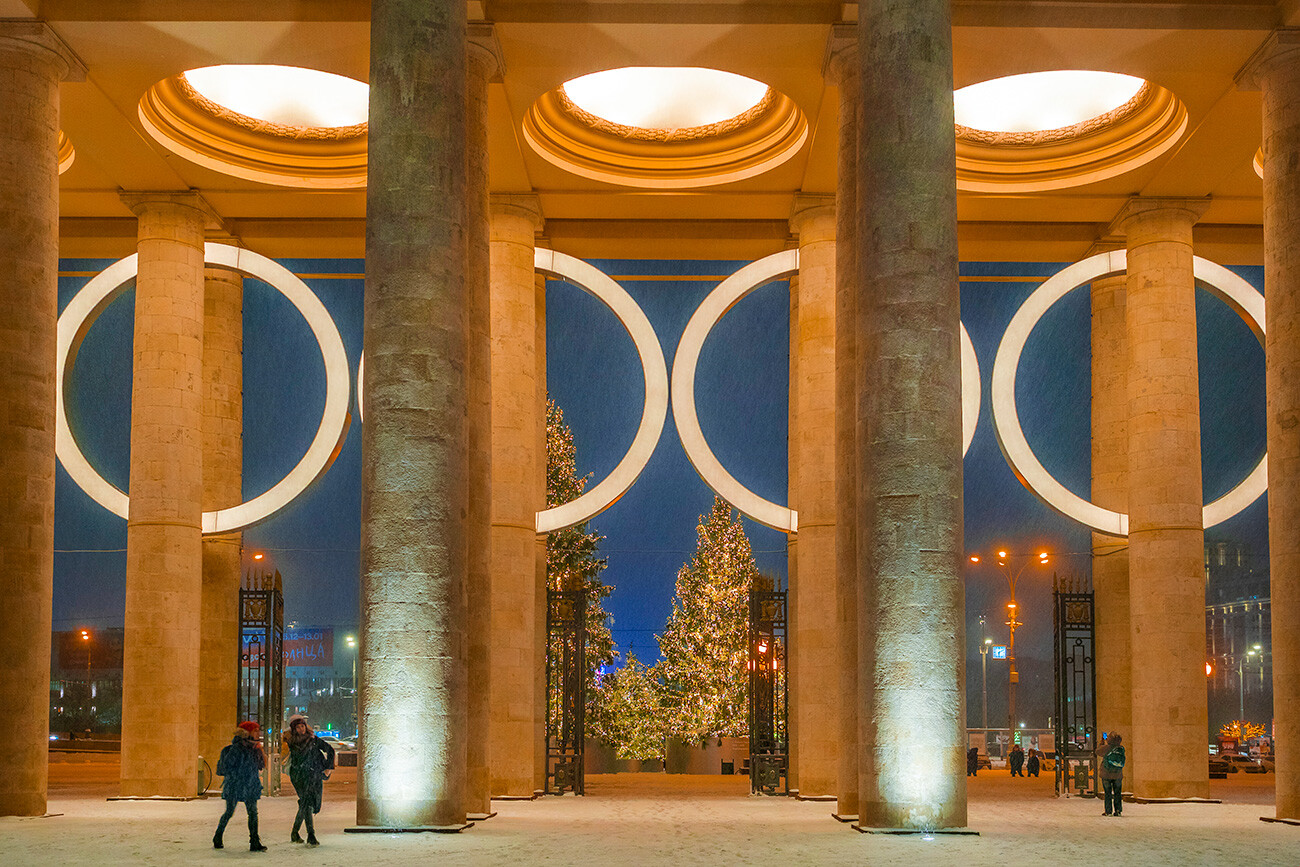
(1102, 147)
(213, 136)
(744, 146)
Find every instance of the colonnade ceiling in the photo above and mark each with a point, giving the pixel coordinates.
(1192, 48)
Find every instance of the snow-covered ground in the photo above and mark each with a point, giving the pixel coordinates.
(649, 819)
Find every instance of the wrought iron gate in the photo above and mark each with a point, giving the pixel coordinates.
(566, 690)
(261, 665)
(1074, 653)
(769, 758)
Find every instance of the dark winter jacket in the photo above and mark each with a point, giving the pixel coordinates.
(309, 759)
(240, 765)
(1112, 763)
(1017, 758)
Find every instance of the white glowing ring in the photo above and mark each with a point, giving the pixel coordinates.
(725, 296)
(616, 484)
(81, 313)
(1231, 289)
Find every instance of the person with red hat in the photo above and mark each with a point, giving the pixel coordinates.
(240, 765)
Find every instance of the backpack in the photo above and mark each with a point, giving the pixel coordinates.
(1114, 759)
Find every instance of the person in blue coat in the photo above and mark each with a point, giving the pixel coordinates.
(310, 761)
(240, 766)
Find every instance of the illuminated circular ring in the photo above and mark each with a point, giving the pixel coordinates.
(86, 306)
(726, 295)
(615, 297)
(1228, 287)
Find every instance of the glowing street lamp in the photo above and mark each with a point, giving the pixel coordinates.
(1005, 560)
(1241, 679)
(984, 674)
(352, 643)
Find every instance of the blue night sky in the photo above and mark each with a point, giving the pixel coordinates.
(594, 376)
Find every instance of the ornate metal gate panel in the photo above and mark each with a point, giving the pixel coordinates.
(566, 690)
(261, 665)
(1074, 653)
(769, 757)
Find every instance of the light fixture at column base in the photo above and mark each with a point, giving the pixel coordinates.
(413, 829)
(934, 832)
(480, 817)
(838, 818)
(1279, 820)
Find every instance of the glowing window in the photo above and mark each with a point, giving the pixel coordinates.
(286, 95)
(1040, 101)
(665, 97)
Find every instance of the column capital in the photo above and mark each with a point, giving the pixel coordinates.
(1141, 205)
(483, 45)
(1281, 45)
(523, 205)
(809, 210)
(138, 200)
(38, 37)
(841, 54)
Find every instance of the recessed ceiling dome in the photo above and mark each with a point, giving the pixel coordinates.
(1058, 129)
(665, 127)
(1041, 101)
(669, 97)
(285, 95)
(275, 124)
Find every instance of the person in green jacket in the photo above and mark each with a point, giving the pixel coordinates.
(1112, 775)
(310, 761)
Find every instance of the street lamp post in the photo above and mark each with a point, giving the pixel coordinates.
(1013, 676)
(352, 643)
(1241, 683)
(984, 675)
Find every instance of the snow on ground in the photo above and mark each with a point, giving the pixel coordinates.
(653, 819)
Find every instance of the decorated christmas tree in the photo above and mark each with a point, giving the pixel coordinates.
(705, 645)
(571, 561)
(630, 718)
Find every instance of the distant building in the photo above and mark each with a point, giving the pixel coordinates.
(86, 680)
(1238, 635)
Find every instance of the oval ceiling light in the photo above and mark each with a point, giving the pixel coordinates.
(1062, 128)
(670, 97)
(1041, 101)
(279, 125)
(285, 95)
(665, 127)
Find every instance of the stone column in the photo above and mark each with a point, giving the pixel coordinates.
(223, 462)
(1110, 491)
(1166, 535)
(1276, 69)
(514, 703)
(911, 617)
(164, 545)
(483, 65)
(415, 442)
(32, 62)
(814, 671)
(843, 70)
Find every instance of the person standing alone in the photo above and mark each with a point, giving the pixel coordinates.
(310, 760)
(240, 767)
(1112, 776)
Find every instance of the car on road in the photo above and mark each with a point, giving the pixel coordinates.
(1219, 769)
(345, 752)
(1242, 763)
